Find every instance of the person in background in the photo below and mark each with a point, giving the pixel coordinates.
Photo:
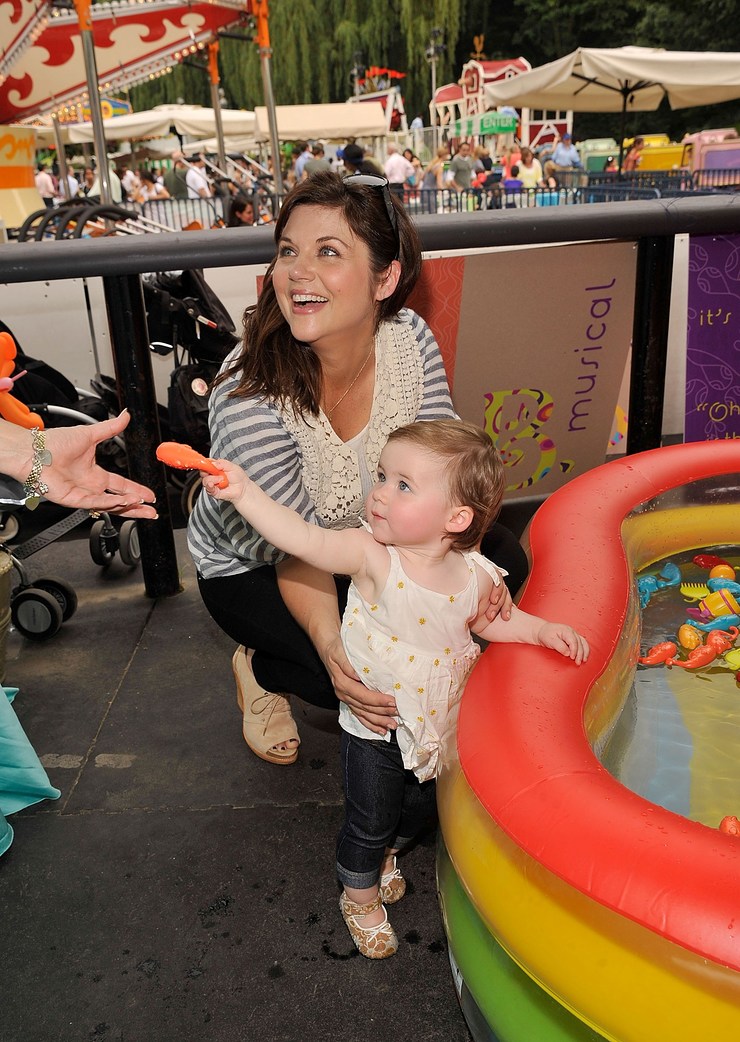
(197, 180)
(610, 166)
(461, 168)
(88, 180)
(304, 154)
(530, 170)
(634, 156)
(130, 182)
(241, 212)
(398, 170)
(330, 363)
(316, 163)
(114, 184)
(353, 159)
(73, 187)
(175, 179)
(432, 181)
(45, 185)
(149, 189)
(565, 155)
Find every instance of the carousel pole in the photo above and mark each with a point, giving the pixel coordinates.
(61, 157)
(82, 7)
(216, 101)
(263, 42)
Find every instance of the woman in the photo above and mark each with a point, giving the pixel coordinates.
(433, 180)
(530, 169)
(149, 188)
(241, 212)
(330, 364)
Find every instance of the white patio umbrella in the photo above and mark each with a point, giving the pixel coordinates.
(623, 79)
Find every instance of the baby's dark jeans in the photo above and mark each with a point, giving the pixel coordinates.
(384, 806)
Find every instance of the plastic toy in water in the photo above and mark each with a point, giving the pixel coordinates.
(723, 584)
(716, 644)
(10, 408)
(708, 560)
(184, 457)
(647, 585)
(659, 654)
(722, 622)
(730, 825)
(689, 636)
(720, 602)
(694, 591)
(722, 571)
(732, 658)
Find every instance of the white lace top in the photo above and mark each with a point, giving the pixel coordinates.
(303, 463)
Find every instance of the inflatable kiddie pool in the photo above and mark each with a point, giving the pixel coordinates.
(576, 909)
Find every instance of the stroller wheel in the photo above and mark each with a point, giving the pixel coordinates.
(63, 593)
(191, 490)
(9, 527)
(129, 548)
(103, 546)
(36, 614)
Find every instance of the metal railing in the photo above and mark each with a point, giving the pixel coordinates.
(120, 261)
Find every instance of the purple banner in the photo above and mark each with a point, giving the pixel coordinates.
(713, 339)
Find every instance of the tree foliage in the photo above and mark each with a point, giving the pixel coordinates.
(315, 45)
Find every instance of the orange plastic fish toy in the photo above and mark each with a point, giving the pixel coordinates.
(658, 654)
(183, 457)
(10, 408)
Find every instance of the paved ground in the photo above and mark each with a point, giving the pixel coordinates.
(181, 890)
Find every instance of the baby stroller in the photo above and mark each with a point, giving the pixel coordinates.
(39, 606)
(185, 318)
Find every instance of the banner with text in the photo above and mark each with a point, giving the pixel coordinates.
(713, 339)
(535, 343)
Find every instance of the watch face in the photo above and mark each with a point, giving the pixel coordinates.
(199, 387)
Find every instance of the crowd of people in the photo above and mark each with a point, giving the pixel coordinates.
(469, 171)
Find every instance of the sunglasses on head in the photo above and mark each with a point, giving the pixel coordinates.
(377, 181)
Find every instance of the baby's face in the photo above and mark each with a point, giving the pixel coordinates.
(409, 504)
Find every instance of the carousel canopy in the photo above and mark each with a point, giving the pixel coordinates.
(42, 67)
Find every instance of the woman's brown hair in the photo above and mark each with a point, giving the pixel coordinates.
(272, 364)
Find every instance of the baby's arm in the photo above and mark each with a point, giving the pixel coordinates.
(523, 628)
(343, 552)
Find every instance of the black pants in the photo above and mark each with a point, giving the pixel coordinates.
(249, 608)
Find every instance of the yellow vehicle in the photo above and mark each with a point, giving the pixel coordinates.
(658, 153)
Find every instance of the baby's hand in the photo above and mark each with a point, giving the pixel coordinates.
(562, 638)
(237, 480)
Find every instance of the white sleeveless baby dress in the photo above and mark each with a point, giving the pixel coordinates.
(416, 645)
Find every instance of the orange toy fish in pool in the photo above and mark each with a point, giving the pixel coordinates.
(183, 457)
(658, 654)
(10, 408)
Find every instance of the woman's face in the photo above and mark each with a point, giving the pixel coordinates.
(246, 216)
(323, 281)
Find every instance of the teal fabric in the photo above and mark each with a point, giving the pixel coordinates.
(23, 780)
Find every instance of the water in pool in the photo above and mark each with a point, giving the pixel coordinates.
(677, 741)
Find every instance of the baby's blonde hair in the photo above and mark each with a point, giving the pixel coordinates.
(474, 471)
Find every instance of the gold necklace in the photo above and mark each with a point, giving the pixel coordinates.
(357, 376)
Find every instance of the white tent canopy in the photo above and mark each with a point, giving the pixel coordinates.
(191, 120)
(622, 79)
(328, 122)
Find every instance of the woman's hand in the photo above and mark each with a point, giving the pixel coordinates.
(374, 709)
(75, 480)
(498, 603)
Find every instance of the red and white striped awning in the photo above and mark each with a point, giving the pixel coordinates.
(42, 66)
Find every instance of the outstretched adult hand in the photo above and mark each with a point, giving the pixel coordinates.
(74, 478)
